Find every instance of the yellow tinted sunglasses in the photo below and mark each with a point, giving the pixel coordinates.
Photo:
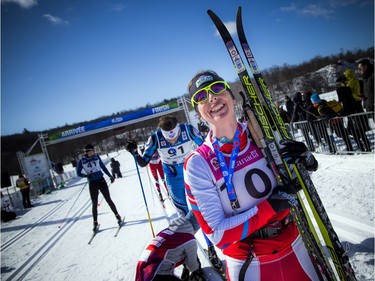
(216, 88)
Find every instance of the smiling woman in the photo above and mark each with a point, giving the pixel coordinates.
(235, 196)
(209, 91)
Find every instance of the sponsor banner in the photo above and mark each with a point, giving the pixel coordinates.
(112, 121)
(37, 167)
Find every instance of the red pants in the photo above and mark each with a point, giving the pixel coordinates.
(155, 170)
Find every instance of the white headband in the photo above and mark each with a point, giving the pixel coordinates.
(172, 133)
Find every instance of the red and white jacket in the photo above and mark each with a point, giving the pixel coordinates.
(253, 182)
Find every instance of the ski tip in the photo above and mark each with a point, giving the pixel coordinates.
(210, 12)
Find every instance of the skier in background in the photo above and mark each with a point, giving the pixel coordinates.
(156, 168)
(174, 142)
(169, 249)
(246, 213)
(115, 168)
(92, 165)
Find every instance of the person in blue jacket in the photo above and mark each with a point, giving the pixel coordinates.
(174, 142)
(90, 166)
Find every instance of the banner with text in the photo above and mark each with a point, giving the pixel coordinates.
(112, 122)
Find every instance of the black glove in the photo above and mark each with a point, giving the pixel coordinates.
(297, 152)
(284, 196)
(89, 176)
(185, 274)
(197, 275)
(131, 146)
(112, 179)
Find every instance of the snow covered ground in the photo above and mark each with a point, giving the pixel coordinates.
(41, 245)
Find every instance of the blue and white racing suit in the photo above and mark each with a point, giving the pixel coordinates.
(173, 157)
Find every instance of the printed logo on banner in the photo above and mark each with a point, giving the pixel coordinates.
(117, 120)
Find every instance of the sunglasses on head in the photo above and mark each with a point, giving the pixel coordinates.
(215, 88)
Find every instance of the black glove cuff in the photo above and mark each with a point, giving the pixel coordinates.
(310, 163)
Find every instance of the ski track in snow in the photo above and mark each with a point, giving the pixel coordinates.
(8, 243)
(34, 248)
(37, 254)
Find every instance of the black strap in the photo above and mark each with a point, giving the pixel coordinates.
(245, 266)
(272, 230)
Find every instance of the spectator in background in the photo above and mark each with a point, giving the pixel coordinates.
(311, 115)
(282, 112)
(355, 86)
(330, 116)
(289, 104)
(59, 169)
(24, 185)
(299, 114)
(367, 71)
(341, 81)
(115, 168)
(357, 125)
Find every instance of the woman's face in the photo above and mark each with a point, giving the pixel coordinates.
(217, 108)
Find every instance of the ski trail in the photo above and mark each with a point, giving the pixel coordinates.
(25, 268)
(41, 220)
(353, 231)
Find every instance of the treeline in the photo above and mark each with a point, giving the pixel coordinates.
(278, 74)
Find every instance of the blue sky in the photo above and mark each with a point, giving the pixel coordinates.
(64, 62)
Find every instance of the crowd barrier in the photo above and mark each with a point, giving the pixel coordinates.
(340, 135)
(60, 179)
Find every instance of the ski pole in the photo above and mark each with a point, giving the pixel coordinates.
(151, 184)
(144, 197)
(72, 205)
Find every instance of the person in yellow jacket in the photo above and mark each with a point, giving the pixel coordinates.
(353, 83)
(24, 185)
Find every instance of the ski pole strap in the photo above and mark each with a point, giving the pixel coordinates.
(228, 171)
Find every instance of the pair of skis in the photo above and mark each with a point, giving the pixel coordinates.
(218, 266)
(267, 128)
(120, 225)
